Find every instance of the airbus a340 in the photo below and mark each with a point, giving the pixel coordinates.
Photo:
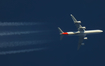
(81, 32)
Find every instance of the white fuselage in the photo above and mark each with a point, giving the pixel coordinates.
(82, 32)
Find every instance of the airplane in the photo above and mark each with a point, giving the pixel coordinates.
(81, 32)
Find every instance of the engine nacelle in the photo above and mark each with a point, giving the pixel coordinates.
(85, 37)
(77, 21)
(83, 27)
(82, 44)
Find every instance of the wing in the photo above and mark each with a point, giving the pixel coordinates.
(77, 23)
(81, 38)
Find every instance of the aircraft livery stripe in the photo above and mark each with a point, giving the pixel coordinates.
(64, 33)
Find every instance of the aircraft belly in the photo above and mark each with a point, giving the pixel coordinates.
(74, 33)
(81, 34)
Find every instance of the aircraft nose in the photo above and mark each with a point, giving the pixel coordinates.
(101, 30)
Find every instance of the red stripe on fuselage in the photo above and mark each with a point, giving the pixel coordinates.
(64, 33)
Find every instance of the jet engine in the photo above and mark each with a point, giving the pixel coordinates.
(82, 44)
(83, 27)
(85, 37)
(77, 21)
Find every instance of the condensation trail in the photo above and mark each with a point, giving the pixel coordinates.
(20, 51)
(18, 33)
(22, 43)
(18, 23)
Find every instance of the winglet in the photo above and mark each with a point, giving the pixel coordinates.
(71, 14)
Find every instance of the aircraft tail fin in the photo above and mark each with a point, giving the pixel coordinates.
(60, 33)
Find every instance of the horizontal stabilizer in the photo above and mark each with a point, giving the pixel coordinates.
(60, 33)
(61, 37)
(60, 30)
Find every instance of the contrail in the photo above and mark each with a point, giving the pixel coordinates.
(18, 23)
(22, 43)
(18, 33)
(20, 51)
